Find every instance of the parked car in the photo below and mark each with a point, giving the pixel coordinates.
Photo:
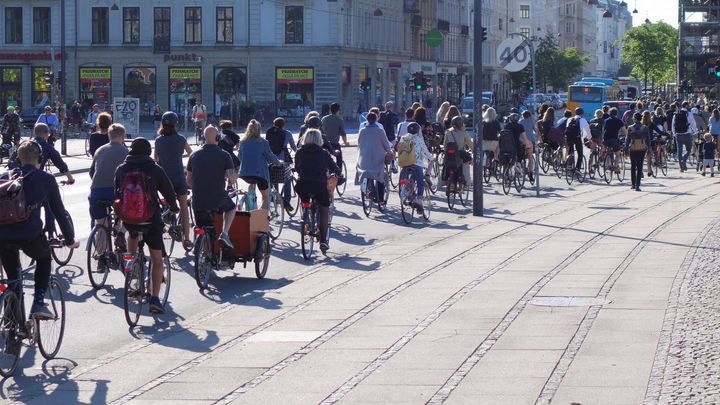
(554, 101)
(467, 108)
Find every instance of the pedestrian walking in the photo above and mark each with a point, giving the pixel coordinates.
(637, 142)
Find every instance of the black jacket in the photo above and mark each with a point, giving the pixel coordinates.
(313, 162)
(157, 179)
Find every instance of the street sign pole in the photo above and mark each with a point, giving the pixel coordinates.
(63, 144)
(478, 156)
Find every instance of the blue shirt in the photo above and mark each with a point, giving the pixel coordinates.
(38, 187)
(51, 121)
(170, 150)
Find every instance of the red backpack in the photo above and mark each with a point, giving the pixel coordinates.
(135, 205)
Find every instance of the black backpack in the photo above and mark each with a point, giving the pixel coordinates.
(507, 145)
(596, 128)
(680, 123)
(276, 137)
(637, 135)
(572, 130)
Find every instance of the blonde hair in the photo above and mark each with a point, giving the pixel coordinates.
(312, 137)
(116, 131)
(490, 115)
(442, 111)
(708, 137)
(252, 131)
(598, 113)
(646, 119)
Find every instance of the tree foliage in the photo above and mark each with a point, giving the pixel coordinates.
(555, 67)
(651, 49)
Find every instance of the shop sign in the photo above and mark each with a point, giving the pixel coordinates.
(294, 75)
(429, 68)
(126, 111)
(183, 57)
(180, 74)
(447, 70)
(394, 64)
(102, 75)
(27, 56)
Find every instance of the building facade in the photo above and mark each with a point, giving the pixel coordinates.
(610, 30)
(699, 52)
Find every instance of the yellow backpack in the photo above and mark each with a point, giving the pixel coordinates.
(406, 152)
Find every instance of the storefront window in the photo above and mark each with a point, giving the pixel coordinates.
(140, 83)
(10, 88)
(295, 90)
(40, 90)
(230, 92)
(95, 87)
(185, 86)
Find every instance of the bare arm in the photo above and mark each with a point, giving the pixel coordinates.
(231, 176)
(189, 178)
(188, 149)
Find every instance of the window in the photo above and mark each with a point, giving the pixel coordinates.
(570, 9)
(41, 25)
(40, 90)
(568, 27)
(294, 24)
(525, 11)
(161, 37)
(224, 29)
(500, 24)
(13, 25)
(99, 25)
(131, 25)
(525, 31)
(193, 25)
(605, 47)
(140, 82)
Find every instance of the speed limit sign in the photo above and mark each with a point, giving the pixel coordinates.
(513, 54)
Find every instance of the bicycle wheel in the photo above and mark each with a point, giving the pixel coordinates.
(99, 251)
(262, 256)
(662, 162)
(294, 199)
(203, 261)
(164, 291)
(277, 213)
(340, 188)
(545, 160)
(582, 174)
(51, 331)
(393, 177)
(621, 168)
(507, 178)
(406, 208)
(134, 293)
(307, 234)
(366, 197)
(592, 168)
(168, 240)
(558, 165)
(61, 253)
(570, 170)
(450, 192)
(519, 176)
(487, 169)
(10, 340)
(433, 172)
(464, 194)
(608, 169)
(427, 206)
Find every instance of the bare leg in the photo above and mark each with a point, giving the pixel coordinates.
(227, 221)
(265, 198)
(157, 270)
(184, 216)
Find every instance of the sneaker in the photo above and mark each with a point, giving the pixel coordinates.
(324, 247)
(225, 241)
(531, 178)
(40, 311)
(156, 307)
(638, 189)
(703, 173)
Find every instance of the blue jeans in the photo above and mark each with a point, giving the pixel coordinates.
(287, 191)
(685, 140)
(418, 174)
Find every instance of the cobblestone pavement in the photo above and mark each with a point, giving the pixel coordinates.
(687, 365)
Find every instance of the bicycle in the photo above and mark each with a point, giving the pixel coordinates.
(199, 135)
(309, 228)
(101, 258)
(407, 190)
(138, 282)
(571, 170)
(490, 167)
(671, 148)
(658, 157)
(596, 156)
(15, 326)
(610, 166)
(340, 188)
(60, 253)
(456, 187)
(172, 227)
(370, 194)
(276, 211)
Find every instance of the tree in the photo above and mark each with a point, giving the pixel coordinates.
(556, 67)
(650, 50)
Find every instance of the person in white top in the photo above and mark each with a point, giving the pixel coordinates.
(422, 161)
(684, 126)
(402, 127)
(199, 116)
(575, 141)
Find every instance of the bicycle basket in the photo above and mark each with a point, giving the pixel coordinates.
(279, 174)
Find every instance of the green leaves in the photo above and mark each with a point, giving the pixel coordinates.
(651, 51)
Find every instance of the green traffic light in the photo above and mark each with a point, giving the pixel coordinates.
(418, 87)
(717, 73)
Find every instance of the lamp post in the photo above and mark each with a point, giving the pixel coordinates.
(478, 155)
(63, 74)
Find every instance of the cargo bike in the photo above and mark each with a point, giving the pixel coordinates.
(250, 236)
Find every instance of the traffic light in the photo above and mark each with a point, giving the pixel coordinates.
(419, 81)
(529, 86)
(49, 78)
(366, 85)
(484, 33)
(717, 68)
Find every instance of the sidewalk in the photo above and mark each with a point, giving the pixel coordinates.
(595, 296)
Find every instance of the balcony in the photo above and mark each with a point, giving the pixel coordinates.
(161, 45)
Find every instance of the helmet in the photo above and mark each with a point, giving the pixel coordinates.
(457, 121)
(11, 109)
(579, 111)
(413, 128)
(514, 117)
(169, 119)
(314, 122)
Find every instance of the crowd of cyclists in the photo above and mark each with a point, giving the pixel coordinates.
(430, 154)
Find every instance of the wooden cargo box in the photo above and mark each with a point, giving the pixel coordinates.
(244, 231)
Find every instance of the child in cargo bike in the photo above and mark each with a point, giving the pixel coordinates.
(313, 163)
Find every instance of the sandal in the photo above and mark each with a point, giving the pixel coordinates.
(188, 245)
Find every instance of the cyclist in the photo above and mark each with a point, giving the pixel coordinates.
(441, 113)
(464, 143)
(683, 126)
(10, 127)
(422, 159)
(139, 163)
(229, 141)
(254, 155)
(654, 133)
(636, 144)
(333, 127)
(313, 163)
(373, 146)
(451, 113)
(28, 235)
(521, 139)
(199, 115)
(611, 135)
(304, 127)
(100, 138)
(715, 125)
(491, 130)
(389, 121)
(280, 140)
(576, 130)
(169, 148)
(93, 116)
(546, 124)
(52, 122)
(211, 166)
(562, 122)
(402, 127)
(102, 172)
(529, 124)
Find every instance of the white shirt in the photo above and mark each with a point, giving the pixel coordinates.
(692, 126)
(402, 129)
